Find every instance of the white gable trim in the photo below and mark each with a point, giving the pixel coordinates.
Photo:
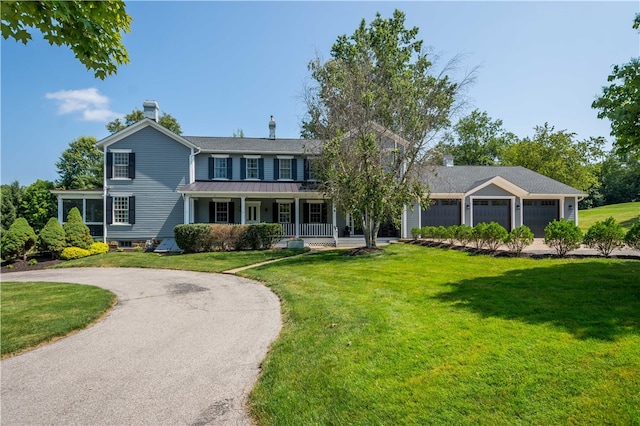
(501, 182)
(118, 136)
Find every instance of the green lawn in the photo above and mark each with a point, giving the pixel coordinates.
(416, 335)
(626, 214)
(32, 313)
(202, 262)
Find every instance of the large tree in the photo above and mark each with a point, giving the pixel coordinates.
(80, 165)
(11, 203)
(620, 103)
(39, 204)
(378, 84)
(477, 139)
(558, 155)
(165, 120)
(91, 29)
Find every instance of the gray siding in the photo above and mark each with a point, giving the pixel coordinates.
(162, 167)
(491, 191)
(202, 167)
(570, 214)
(413, 218)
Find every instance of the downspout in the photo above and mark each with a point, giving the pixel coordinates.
(192, 164)
(104, 195)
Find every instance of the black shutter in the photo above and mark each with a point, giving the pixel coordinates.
(293, 213)
(232, 212)
(212, 212)
(243, 168)
(109, 210)
(132, 165)
(132, 210)
(275, 213)
(294, 170)
(211, 167)
(305, 165)
(306, 216)
(261, 168)
(229, 168)
(276, 169)
(109, 165)
(325, 218)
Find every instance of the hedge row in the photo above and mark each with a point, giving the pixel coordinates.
(202, 237)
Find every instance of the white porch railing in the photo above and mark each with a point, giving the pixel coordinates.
(308, 229)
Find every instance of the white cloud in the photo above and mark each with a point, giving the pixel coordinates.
(89, 103)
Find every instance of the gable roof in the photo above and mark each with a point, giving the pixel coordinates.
(254, 145)
(464, 179)
(129, 130)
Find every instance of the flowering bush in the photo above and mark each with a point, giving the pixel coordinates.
(71, 253)
(99, 248)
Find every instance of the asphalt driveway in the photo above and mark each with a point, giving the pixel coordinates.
(180, 348)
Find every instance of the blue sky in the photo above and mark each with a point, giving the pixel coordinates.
(221, 66)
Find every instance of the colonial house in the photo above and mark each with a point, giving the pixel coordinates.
(155, 179)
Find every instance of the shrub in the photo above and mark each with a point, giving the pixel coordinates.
(493, 236)
(416, 233)
(562, 236)
(99, 248)
(194, 238)
(477, 235)
(33, 262)
(428, 231)
(463, 234)
(18, 240)
(262, 236)
(451, 234)
(71, 253)
(440, 233)
(52, 238)
(77, 233)
(605, 236)
(227, 237)
(518, 239)
(632, 239)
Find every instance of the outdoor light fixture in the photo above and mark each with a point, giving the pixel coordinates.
(468, 206)
(517, 206)
(570, 207)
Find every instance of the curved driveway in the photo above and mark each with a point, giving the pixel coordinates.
(180, 348)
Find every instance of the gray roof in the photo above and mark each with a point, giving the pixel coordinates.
(462, 179)
(255, 145)
(249, 187)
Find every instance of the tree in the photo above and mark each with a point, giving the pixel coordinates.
(619, 178)
(478, 140)
(39, 204)
(238, 134)
(52, 238)
(620, 103)
(378, 85)
(8, 209)
(76, 232)
(80, 165)
(562, 236)
(557, 155)
(165, 120)
(18, 240)
(92, 30)
(605, 236)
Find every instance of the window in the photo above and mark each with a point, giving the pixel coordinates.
(252, 168)
(449, 202)
(67, 205)
(315, 213)
(285, 168)
(220, 168)
(120, 165)
(93, 211)
(222, 212)
(500, 203)
(121, 210)
(480, 202)
(548, 203)
(284, 213)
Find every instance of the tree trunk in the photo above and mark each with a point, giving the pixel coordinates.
(370, 229)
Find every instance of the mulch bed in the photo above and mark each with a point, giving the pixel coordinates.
(21, 265)
(359, 251)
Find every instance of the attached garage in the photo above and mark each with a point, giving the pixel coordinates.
(442, 213)
(492, 211)
(536, 214)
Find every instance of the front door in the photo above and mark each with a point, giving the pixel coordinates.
(252, 212)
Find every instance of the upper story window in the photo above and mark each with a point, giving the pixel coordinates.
(220, 168)
(310, 169)
(121, 164)
(285, 168)
(253, 168)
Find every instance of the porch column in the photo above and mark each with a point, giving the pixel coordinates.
(334, 217)
(186, 202)
(192, 213)
(297, 207)
(60, 218)
(243, 204)
(403, 231)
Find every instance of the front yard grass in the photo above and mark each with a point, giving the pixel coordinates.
(200, 262)
(418, 335)
(626, 214)
(35, 312)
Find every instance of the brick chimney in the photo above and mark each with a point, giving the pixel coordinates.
(150, 110)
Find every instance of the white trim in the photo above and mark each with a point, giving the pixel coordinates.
(74, 195)
(285, 157)
(118, 136)
(221, 200)
(120, 151)
(252, 156)
(120, 194)
(308, 201)
(493, 197)
(500, 182)
(281, 201)
(220, 155)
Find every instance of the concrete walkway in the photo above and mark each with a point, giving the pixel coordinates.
(180, 348)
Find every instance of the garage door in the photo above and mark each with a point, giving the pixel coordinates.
(442, 213)
(538, 213)
(492, 211)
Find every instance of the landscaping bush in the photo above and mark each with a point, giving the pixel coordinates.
(52, 238)
(99, 248)
(518, 239)
(71, 253)
(493, 235)
(416, 233)
(463, 234)
(262, 236)
(428, 231)
(227, 237)
(440, 233)
(76, 232)
(632, 239)
(18, 240)
(194, 237)
(477, 235)
(562, 236)
(605, 236)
